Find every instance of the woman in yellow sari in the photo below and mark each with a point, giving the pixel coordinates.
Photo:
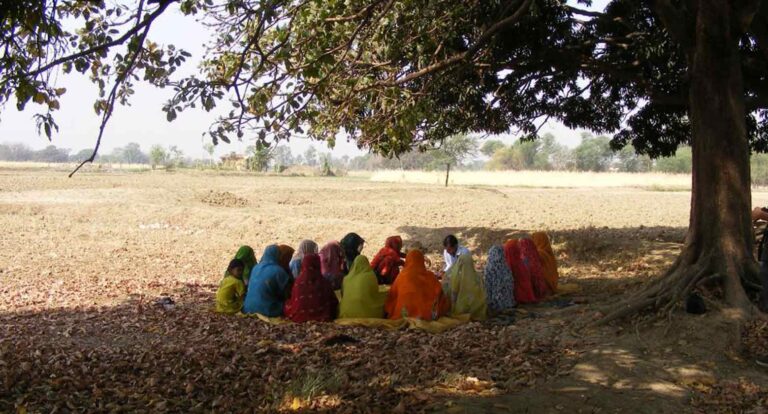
(360, 296)
(466, 289)
(416, 292)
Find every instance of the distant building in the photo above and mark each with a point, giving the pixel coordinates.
(234, 161)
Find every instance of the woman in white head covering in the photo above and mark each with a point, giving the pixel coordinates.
(305, 247)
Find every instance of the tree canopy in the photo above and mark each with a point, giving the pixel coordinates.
(392, 75)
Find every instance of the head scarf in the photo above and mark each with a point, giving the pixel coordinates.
(395, 243)
(360, 296)
(245, 253)
(331, 258)
(499, 283)
(466, 290)
(524, 292)
(416, 292)
(388, 260)
(312, 298)
(305, 247)
(532, 260)
(548, 261)
(286, 252)
(351, 245)
(269, 285)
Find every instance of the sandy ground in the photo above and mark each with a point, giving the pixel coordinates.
(105, 241)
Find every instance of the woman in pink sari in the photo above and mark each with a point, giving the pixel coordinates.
(331, 263)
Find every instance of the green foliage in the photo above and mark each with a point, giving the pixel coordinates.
(282, 157)
(627, 160)
(543, 154)
(490, 147)
(105, 40)
(453, 151)
(157, 156)
(759, 164)
(679, 163)
(259, 156)
(310, 156)
(593, 154)
(327, 165)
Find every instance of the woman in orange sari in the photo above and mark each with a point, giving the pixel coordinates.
(416, 292)
(286, 254)
(548, 261)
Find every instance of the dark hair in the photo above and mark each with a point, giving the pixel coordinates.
(235, 263)
(450, 241)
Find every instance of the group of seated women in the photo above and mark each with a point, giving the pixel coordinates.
(337, 281)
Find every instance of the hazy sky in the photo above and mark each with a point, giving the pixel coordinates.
(144, 122)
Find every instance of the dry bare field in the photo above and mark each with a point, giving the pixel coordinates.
(541, 179)
(82, 260)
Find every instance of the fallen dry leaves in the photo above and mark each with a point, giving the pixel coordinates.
(141, 357)
(737, 396)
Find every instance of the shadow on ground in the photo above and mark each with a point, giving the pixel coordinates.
(140, 357)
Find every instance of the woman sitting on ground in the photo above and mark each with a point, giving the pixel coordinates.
(246, 255)
(331, 262)
(312, 298)
(269, 287)
(229, 297)
(416, 292)
(352, 245)
(548, 261)
(465, 289)
(525, 264)
(499, 282)
(284, 258)
(388, 261)
(305, 247)
(360, 296)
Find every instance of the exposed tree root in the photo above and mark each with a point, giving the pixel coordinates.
(666, 294)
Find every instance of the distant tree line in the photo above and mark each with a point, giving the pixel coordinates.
(592, 154)
(131, 153)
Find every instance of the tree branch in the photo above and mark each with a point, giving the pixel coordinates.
(482, 40)
(105, 46)
(113, 95)
(675, 20)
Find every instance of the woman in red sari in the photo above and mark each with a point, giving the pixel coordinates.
(312, 297)
(523, 284)
(388, 261)
(523, 259)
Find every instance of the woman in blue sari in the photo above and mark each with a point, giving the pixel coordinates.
(269, 285)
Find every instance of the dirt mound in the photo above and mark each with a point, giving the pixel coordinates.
(223, 198)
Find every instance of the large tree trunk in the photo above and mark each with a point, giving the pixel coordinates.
(718, 246)
(720, 233)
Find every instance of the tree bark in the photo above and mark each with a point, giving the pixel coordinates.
(447, 172)
(720, 230)
(719, 243)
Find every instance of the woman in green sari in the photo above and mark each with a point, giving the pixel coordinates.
(465, 288)
(246, 255)
(360, 296)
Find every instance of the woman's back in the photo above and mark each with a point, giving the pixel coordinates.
(416, 293)
(360, 296)
(268, 286)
